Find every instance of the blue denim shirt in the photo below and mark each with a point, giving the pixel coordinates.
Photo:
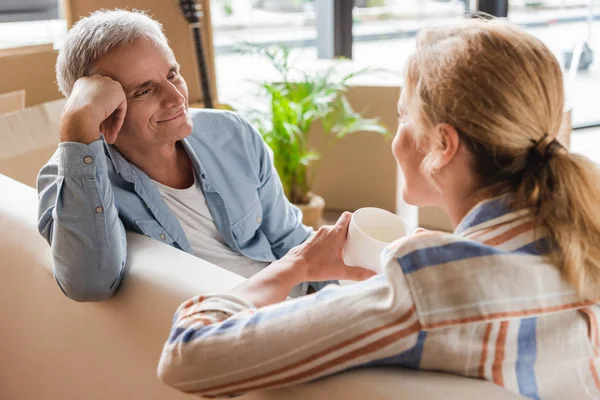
(89, 195)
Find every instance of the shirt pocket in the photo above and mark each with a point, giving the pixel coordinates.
(245, 228)
(154, 230)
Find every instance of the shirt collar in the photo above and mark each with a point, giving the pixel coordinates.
(122, 166)
(128, 170)
(488, 213)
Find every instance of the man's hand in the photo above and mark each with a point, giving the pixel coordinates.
(97, 104)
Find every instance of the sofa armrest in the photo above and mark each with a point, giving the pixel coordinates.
(60, 349)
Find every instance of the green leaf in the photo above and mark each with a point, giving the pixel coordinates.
(360, 125)
(291, 109)
(309, 157)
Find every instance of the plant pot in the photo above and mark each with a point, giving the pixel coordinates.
(312, 213)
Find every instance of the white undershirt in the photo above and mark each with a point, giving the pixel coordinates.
(191, 210)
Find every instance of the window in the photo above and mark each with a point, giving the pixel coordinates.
(564, 26)
(28, 10)
(384, 35)
(30, 22)
(262, 22)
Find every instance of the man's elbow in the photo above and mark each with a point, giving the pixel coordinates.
(85, 294)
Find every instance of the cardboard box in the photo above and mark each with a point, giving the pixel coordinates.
(12, 101)
(360, 169)
(30, 68)
(28, 138)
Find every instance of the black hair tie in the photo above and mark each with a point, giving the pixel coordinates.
(543, 150)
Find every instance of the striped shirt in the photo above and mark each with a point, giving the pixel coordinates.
(483, 302)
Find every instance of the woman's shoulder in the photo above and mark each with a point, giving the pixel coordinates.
(453, 280)
(430, 248)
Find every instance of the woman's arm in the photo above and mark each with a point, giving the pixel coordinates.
(222, 345)
(318, 259)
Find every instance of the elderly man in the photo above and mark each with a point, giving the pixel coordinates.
(133, 156)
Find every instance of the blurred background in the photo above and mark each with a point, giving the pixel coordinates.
(348, 35)
(382, 35)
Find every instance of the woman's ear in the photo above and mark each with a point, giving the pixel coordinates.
(450, 143)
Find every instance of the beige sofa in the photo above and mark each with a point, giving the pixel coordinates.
(55, 349)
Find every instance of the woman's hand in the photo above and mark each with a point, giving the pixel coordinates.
(320, 258)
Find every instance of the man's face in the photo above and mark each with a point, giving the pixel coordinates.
(157, 96)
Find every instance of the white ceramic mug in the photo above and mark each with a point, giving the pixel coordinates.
(370, 231)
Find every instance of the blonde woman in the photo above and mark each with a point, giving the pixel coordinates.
(510, 297)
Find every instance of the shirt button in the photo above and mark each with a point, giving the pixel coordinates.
(99, 210)
(258, 219)
(162, 236)
(88, 160)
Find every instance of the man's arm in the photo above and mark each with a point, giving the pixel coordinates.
(282, 221)
(78, 218)
(77, 214)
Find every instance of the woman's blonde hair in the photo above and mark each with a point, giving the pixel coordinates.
(502, 90)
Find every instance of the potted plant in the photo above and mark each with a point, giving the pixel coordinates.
(296, 100)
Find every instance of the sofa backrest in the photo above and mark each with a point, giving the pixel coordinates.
(53, 348)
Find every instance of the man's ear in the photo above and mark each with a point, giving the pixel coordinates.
(450, 143)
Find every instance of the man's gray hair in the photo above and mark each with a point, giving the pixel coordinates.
(96, 35)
